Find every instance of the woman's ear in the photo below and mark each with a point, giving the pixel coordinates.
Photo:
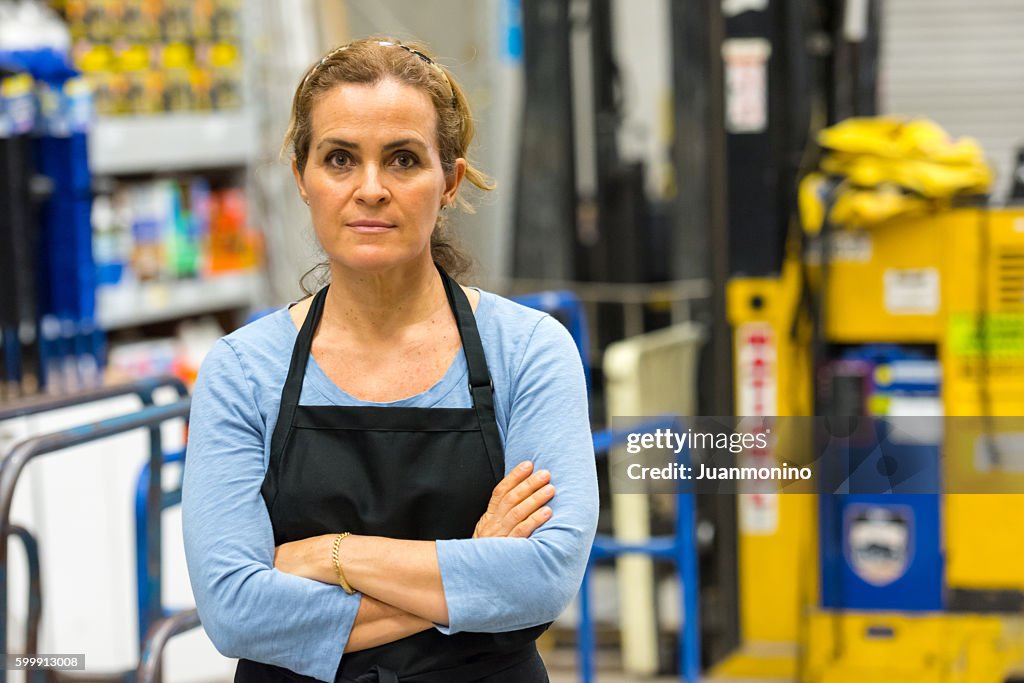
(452, 182)
(299, 182)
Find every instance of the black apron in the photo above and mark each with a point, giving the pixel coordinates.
(410, 473)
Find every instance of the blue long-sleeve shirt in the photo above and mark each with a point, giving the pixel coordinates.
(251, 610)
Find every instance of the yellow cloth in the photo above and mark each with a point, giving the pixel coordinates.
(891, 167)
(859, 207)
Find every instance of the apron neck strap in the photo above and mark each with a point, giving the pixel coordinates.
(479, 376)
(473, 348)
(480, 386)
(300, 352)
(296, 371)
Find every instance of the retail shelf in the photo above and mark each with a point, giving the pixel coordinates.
(170, 142)
(121, 306)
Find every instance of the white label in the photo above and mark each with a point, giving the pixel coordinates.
(756, 363)
(732, 8)
(746, 84)
(911, 291)
(759, 513)
(851, 246)
(1004, 452)
(757, 394)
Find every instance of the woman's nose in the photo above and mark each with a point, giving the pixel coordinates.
(371, 188)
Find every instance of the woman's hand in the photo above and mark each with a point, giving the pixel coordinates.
(517, 507)
(518, 504)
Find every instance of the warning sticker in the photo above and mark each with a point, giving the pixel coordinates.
(759, 513)
(746, 84)
(756, 384)
(851, 246)
(911, 291)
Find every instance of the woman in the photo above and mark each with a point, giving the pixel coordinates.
(369, 491)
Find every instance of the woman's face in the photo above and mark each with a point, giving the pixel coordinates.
(373, 177)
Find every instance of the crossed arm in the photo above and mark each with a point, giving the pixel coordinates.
(400, 580)
(254, 599)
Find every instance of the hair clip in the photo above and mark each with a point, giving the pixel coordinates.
(323, 60)
(425, 58)
(387, 43)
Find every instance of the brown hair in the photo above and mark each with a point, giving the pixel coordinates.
(370, 61)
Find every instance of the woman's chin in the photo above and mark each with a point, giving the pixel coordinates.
(373, 260)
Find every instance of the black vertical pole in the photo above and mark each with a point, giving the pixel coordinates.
(753, 132)
(595, 260)
(854, 67)
(545, 223)
(691, 146)
(700, 249)
(866, 96)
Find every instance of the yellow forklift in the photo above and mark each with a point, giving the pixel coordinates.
(946, 604)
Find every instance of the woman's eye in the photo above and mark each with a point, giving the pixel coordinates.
(405, 160)
(338, 159)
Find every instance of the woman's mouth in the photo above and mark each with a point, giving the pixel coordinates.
(370, 227)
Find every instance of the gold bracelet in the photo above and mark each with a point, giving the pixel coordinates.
(337, 564)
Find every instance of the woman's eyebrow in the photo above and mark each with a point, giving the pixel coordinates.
(337, 142)
(404, 142)
(346, 144)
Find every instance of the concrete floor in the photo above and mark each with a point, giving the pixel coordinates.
(561, 663)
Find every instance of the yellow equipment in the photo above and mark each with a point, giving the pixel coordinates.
(952, 281)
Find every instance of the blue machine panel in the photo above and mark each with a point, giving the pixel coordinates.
(881, 552)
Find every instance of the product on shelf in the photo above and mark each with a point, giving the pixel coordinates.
(55, 341)
(141, 88)
(176, 20)
(140, 21)
(150, 56)
(150, 218)
(177, 65)
(226, 21)
(97, 63)
(111, 239)
(202, 20)
(17, 228)
(233, 246)
(165, 230)
(180, 356)
(226, 76)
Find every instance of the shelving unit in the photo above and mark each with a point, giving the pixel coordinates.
(126, 145)
(167, 212)
(173, 143)
(128, 149)
(123, 306)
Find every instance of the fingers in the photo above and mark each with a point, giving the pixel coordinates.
(522, 492)
(530, 524)
(518, 504)
(511, 480)
(531, 503)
